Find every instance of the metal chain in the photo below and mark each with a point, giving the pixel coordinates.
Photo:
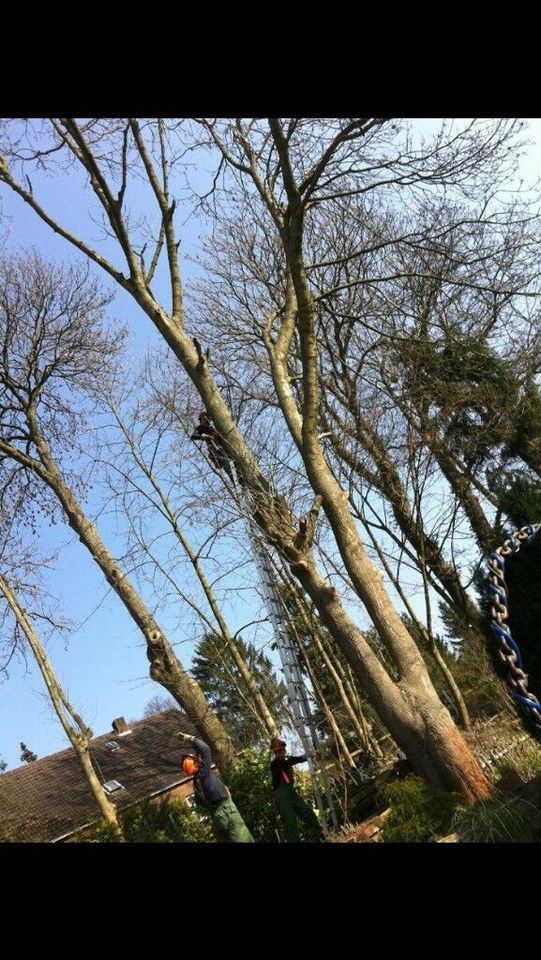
(509, 651)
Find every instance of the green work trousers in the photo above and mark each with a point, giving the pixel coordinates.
(290, 806)
(228, 823)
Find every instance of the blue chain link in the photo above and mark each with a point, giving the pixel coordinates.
(509, 651)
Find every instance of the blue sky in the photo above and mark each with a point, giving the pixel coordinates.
(102, 663)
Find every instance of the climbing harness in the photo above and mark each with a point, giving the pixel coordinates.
(215, 448)
(509, 651)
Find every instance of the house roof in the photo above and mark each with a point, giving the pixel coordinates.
(49, 798)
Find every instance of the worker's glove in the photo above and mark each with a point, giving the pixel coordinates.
(186, 737)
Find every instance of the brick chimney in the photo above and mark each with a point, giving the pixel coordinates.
(120, 726)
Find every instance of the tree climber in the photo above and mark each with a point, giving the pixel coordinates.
(215, 445)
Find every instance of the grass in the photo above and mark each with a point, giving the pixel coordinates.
(512, 820)
(525, 759)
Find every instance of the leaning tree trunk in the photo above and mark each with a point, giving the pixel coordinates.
(411, 710)
(357, 719)
(165, 667)
(80, 738)
(410, 707)
(320, 698)
(387, 480)
(260, 706)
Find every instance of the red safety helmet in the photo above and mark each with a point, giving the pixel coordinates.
(189, 764)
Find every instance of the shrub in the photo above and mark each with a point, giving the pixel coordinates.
(251, 788)
(418, 814)
(167, 821)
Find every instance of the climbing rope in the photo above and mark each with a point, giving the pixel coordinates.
(509, 651)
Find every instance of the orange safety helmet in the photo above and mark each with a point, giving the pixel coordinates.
(277, 745)
(189, 764)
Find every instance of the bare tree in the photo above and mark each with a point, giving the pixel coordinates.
(285, 169)
(78, 733)
(53, 340)
(158, 704)
(142, 439)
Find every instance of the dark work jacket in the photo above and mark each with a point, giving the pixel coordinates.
(217, 454)
(208, 789)
(281, 770)
(205, 431)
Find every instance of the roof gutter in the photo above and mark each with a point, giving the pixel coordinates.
(148, 796)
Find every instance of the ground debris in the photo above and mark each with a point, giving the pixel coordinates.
(366, 832)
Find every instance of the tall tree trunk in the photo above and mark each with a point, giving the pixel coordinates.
(260, 706)
(387, 480)
(320, 697)
(358, 721)
(461, 488)
(165, 667)
(410, 708)
(79, 738)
